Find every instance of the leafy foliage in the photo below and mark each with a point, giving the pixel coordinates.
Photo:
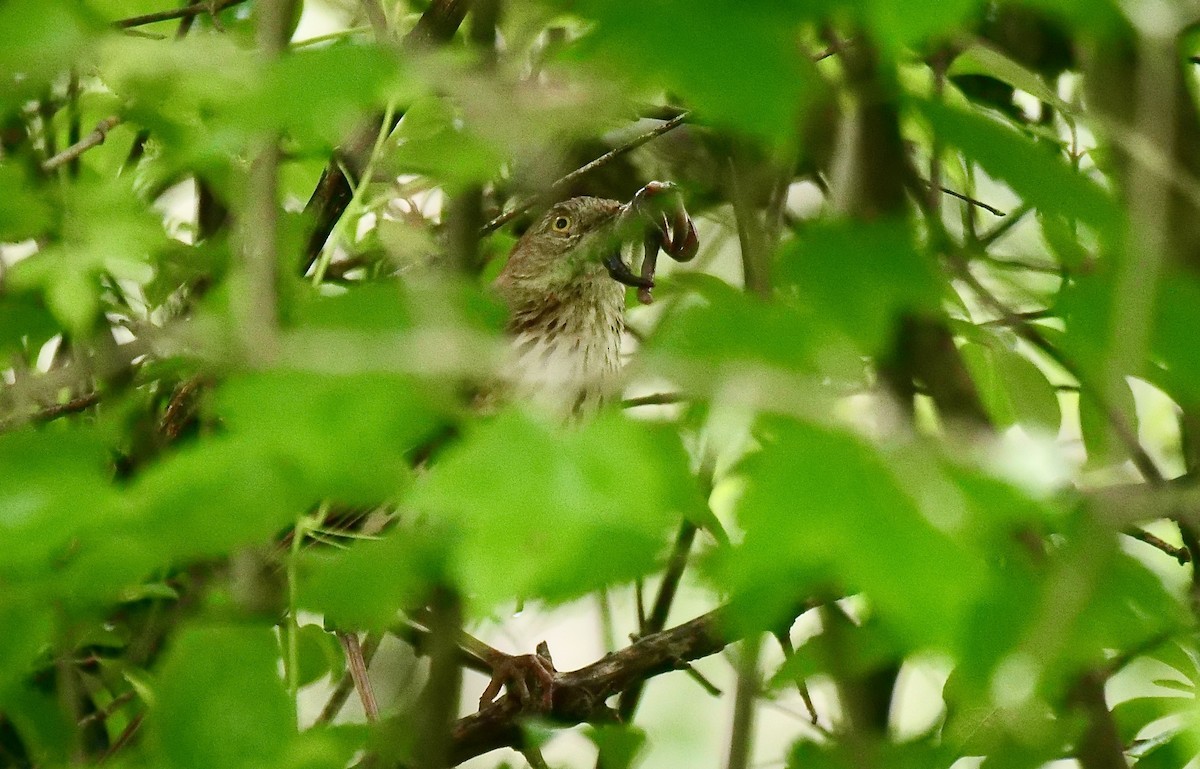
(931, 385)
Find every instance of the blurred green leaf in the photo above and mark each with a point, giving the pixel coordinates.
(220, 701)
(433, 140)
(42, 38)
(366, 585)
(618, 746)
(1013, 389)
(826, 510)
(722, 328)
(982, 58)
(862, 277)
(26, 213)
(530, 498)
(25, 323)
(54, 483)
(757, 80)
(321, 94)
(28, 629)
(320, 655)
(1100, 437)
(345, 438)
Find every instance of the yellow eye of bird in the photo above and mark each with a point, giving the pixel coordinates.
(561, 224)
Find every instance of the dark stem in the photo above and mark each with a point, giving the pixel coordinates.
(187, 11)
(741, 739)
(657, 620)
(571, 178)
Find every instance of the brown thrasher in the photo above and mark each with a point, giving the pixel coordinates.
(564, 285)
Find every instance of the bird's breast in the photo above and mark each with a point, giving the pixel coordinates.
(566, 350)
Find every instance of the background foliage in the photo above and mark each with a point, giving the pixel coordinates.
(921, 418)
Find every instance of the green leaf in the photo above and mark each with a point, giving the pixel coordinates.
(530, 498)
(220, 701)
(826, 508)
(668, 45)
(719, 329)
(433, 140)
(1104, 445)
(981, 58)
(321, 94)
(1013, 389)
(211, 497)
(862, 277)
(41, 39)
(341, 437)
(1039, 176)
(320, 655)
(980, 361)
(25, 323)
(25, 213)
(618, 745)
(901, 24)
(365, 586)
(54, 484)
(28, 629)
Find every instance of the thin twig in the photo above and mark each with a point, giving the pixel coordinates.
(583, 170)
(124, 738)
(341, 692)
(789, 651)
(195, 9)
(1180, 554)
(657, 620)
(94, 139)
(967, 199)
(654, 399)
(112, 707)
(1003, 228)
(357, 664)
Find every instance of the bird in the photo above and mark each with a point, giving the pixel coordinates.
(564, 285)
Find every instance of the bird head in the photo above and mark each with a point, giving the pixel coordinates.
(576, 243)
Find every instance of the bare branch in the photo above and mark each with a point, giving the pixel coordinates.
(187, 11)
(579, 696)
(94, 139)
(341, 692)
(583, 170)
(356, 661)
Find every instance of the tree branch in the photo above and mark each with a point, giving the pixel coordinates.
(583, 170)
(186, 12)
(94, 139)
(328, 202)
(579, 696)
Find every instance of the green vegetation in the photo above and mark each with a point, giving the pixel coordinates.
(911, 447)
